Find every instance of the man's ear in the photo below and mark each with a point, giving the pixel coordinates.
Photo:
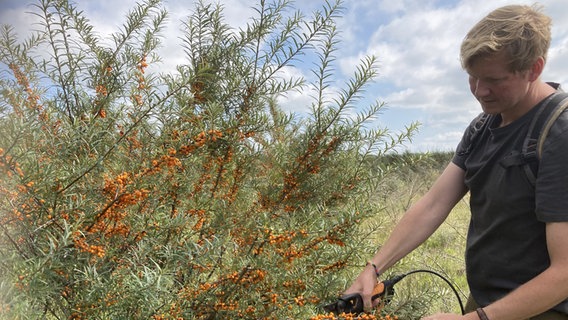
(536, 69)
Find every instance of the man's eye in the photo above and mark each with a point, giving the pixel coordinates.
(494, 80)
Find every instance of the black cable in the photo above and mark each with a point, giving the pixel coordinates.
(354, 302)
(443, 278)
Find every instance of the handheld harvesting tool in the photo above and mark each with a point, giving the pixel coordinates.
(383, 291)
(353, 303)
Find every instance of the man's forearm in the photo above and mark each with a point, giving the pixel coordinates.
(532, 298)
(423, 218)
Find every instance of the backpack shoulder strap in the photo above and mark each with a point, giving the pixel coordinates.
(538, 130)
(557, 112)
(475, 128)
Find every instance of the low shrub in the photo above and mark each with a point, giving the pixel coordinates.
(130, 193)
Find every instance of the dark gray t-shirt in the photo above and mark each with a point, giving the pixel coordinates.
(506, 243)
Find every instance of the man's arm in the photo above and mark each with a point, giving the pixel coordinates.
(417, 224)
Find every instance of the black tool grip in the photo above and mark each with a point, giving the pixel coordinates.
(353, 303)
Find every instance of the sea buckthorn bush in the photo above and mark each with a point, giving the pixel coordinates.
(128, 193)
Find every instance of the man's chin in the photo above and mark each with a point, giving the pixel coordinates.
(489, 108)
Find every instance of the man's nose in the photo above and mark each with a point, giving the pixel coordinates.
(480, 89)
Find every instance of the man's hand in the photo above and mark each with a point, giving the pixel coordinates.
(364, 285)
(452, 316)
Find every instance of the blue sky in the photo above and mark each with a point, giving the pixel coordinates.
(416, 42)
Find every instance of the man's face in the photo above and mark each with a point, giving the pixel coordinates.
(497, 89)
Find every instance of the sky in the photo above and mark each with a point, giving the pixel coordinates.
(415, 41)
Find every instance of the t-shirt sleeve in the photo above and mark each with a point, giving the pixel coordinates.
(552, 179)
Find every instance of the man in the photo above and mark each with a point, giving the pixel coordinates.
(517, 245)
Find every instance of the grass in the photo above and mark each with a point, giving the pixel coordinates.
(419, 294)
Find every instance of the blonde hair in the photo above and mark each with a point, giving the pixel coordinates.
(522, 31)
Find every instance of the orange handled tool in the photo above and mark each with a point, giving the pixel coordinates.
(353, 303)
